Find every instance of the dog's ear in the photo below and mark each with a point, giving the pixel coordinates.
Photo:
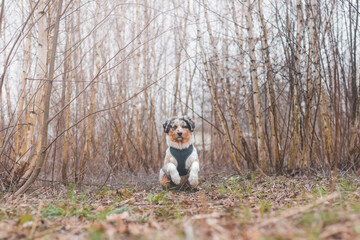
(167, 125)
(190, 123)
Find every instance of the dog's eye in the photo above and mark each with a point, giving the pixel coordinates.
(185, 127)
(174, 127)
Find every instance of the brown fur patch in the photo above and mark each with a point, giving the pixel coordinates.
(186, 134)
(168, 159)
(165, 182)
(195, 184)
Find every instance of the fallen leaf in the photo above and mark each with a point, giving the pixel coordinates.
(134, 229)
(153, 224)
(23, 206)
(100, 208)
(116, 216)
(252, 235)
(121, 226)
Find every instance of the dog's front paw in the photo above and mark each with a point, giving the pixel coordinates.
(165, 182)
(176, 179)
(193, 180)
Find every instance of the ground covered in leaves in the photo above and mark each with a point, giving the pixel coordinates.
(223, 207)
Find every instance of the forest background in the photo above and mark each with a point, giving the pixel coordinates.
(273, 86)
(85, 86)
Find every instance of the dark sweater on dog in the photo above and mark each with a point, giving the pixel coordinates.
(181, 155)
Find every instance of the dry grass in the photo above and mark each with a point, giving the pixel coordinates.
(224, 207)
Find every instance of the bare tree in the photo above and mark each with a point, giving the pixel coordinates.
(256, 91)
(274, 86)
(271, 92)
(46, 105)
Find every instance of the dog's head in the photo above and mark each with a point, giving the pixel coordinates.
(179, 129)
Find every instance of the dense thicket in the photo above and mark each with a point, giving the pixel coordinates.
(273, 85)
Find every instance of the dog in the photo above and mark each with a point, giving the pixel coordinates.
(181, 157)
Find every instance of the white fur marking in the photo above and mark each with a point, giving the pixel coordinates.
(174, 174)
(193, 176)
(161, 175)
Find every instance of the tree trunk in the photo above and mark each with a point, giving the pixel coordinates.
(325, 121)
(295, 143)
(2, 14)
(19, 143)
(271, 93)
(68, 87)
(256, 91)
(31, 147)
(90, 124)
(46, 106)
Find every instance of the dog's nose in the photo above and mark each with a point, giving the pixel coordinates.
(179, 133)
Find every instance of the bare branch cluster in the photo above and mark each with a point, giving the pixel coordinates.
(273, 86)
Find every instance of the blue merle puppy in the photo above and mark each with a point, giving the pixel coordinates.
(181, 156)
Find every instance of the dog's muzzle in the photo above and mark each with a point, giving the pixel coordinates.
(179, 135)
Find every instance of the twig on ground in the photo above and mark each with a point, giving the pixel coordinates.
(297, 210)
